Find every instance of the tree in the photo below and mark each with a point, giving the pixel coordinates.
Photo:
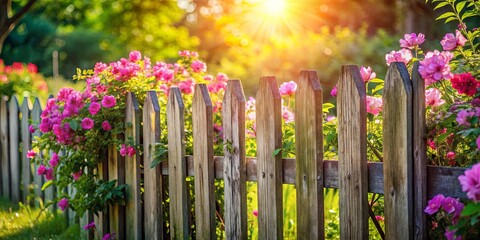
(8, 20)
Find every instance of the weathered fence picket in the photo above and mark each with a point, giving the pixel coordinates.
(269, 159)
(6, 184)
(37, 179)
(398, 153)
(352, 154)
(26, 146)
(13, 133)
(309, 157)
(234, 164)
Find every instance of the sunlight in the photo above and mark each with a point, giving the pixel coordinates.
(273, 8)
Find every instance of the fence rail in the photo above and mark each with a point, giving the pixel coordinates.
(403, 176)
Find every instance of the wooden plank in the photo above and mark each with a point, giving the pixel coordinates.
(133, 208)
(419, 154)
(101, 219)
(202, 119)
(153, 196)
(37, 179)
(398, 153)
(269, 164)
(352, 150)
(5, 162)
(309, 157)
(234, 164)
(116, 171)
(179, 206)
(26, 146)
(14, 127)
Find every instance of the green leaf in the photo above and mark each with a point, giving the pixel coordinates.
(376, 80)
(468, 14)
(73, 125)
(446, 15)
(460, 6)
(276, 152)
(46, 184)
(470, 209)
(450, 19)
(327, 106)
(442, 4)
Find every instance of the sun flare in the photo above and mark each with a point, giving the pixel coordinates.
(274, 8)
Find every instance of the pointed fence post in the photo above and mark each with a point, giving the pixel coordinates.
(5, 160)
(235, 170)
(13, 115)
(269, 159)
(398, 153)
(26, 146)
(37, 179)
(202, 120)
(133, 208)
(352, 154)
(419, 154)
(153, 182)
(116, 171)
(309, 157)
(177, 167)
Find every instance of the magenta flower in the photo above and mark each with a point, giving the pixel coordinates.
(367, 73)
(31, 129)
(123, 150)
(186, 86)
(451, 155)
(462, 117)
(470, 182)
(287, 115)
(434, 204)
(198, 66)
(77, 175)
(334, 91)
(411, 40)
(54, 160)
(89, 226)
(450, 235)
(135, 56)
(433, 97)
(109, 101)
(255, 213)
(41, 170)
(449, 204)
(478, 142)
(63, 203)
(131, 151)
(49, 173)
(450, 41)
(379, 218)
(106, 126)
(94, 108)
(87, 123)
(31, 154)
(404, 55)
(288, 88)
(374, 105)
(435, 66)
(107, 236)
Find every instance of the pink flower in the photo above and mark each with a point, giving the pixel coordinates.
(449, 204)
(287, 115)
(123, 150)
(450, 235)
(89, 226)
(106, 126)
(374, 105)
(288, 88)
(77, 175)
(433, 97)
(109, 101)
(470, 182)
(450, 41)
(49, 173)
(87, 123)
(367, 73)
(31, 154)
(63, 203)
(94, 108)
(434, 204)
(221, 77)
(411, 40)
(462, 117)
(404, 55)
(31, 129)
(379, 218)
(107, 236)
(255, 213)
(186, 86)
(54, 160)
(198, 66)
(334, 91)
(435, 66)
(41, 170)
(478, 142)
(131, 151)
(135, 56)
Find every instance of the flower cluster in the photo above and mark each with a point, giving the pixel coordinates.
(21, 79)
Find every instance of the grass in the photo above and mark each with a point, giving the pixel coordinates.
(18, 221)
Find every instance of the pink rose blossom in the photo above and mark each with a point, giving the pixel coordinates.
(450, 235)
(411, 40)
(49, 173)
(287, 115)
(334, 91)
(255, 213)
(63, 203)
(31, 154)
(288, 88)
(94, 108)
(106, 126)
(374, 105)
(54, 160)
(367, 73)
(449, 204)
(435, 66)
(404, 55)
(470, 182)
(198, 66)
(87, 123)
(135, 56)
(379, 218)
(131, 151)
(433, 98)
(434, 204)
(31, 129)
(41, 170)
(123, 150)
(107, 236)
(462, 117)
(77, 175)
(109, 101)
(478, 142)
(450, 41)
(186, 86)
(89, 226)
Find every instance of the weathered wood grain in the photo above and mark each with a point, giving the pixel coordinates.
(26, 146)
(133, 207)
(269, 164)
(116, 171)
(398, 153)
(202, 119)
(419, 154)
(153, 196)
(309, 156)
(14, 128)
(179, 212)
(5, 171)
(352, 152)
(234, 162)
(37, 179)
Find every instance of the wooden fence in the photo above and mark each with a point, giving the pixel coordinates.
(403, 177)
